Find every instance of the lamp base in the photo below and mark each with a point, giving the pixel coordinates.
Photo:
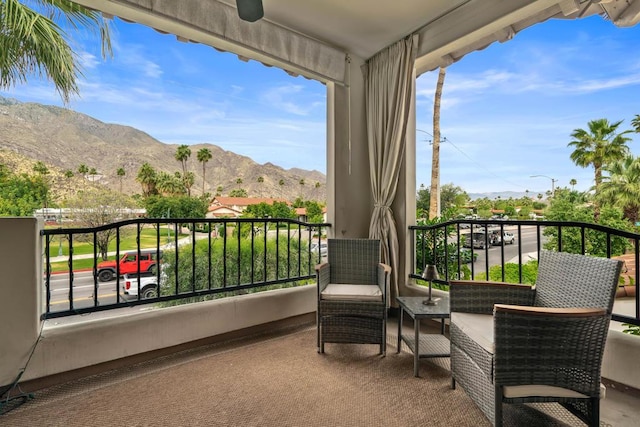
(431, 301)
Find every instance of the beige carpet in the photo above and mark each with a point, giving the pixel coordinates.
(264, 381)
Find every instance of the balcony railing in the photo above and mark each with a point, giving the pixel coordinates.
(198, 259)
(477, 249)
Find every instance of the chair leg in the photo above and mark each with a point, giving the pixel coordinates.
(453, 383)
(594, 402)
(497, 413)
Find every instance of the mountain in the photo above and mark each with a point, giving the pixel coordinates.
(64, 139)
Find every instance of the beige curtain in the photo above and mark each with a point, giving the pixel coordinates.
(389, 88)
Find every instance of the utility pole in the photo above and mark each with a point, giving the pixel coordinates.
(553, 183)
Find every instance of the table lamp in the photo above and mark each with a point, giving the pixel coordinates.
(430, 273)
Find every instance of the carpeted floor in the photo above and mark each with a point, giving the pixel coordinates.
(279, 380)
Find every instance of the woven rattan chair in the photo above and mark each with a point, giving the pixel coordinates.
(518, 344)
(352, 294)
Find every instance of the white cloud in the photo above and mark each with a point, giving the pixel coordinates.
(284, 98)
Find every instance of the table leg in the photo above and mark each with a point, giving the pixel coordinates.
(400, 330)
(416, 354)
(442, 326)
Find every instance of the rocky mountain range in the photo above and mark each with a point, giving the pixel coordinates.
(64, 139)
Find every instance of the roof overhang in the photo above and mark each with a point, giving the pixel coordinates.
(315, 37)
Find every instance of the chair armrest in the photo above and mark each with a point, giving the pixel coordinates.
(481, 296)
(323, 275)
(561, 347)
(384, 275)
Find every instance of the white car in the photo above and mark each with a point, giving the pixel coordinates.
(324, 248)
(507, 237)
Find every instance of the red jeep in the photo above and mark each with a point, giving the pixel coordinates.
(128, 264)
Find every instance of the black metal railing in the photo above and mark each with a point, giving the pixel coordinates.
(171, 261)
(480, 250)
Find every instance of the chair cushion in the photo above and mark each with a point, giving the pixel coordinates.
(347, 292)
(478, 327)
(516, 391)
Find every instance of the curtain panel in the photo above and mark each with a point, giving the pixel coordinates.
(389, 89)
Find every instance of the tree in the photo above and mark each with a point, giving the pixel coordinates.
(43, 171)
(239, 182)
(238, 192)
(147, 179)
(183, 152)
(434, 204)
(68, 174)
(636, 123)
(260, 179)
(170, 185)
(281, 182)
(121, 173)
(95, 207)
(188, 180)
(621, 187)
(176, 206)
(219, 190)
(572, 183)
(598, 146)
(204, 155)
(83, 170)
(33, 44)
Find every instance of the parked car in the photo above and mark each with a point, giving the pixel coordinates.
(477, 240)
(323, 247)
(496, 240)
(128, 263)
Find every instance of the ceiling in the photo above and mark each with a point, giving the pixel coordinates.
(313, 37)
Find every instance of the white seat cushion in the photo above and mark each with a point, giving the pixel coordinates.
(478, 327)
(516, 391)
(344, 291)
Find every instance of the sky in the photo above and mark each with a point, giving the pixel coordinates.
(507, 111)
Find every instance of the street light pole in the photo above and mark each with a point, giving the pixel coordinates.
(553, 183)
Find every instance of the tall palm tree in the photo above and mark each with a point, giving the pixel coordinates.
(33, 43)
(434, 202)
(121, 173)
(204, 155)
(83, 170)
(599, 146)
(183, 153)
(621, 187)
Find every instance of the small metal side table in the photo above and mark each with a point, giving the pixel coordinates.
(424, 345)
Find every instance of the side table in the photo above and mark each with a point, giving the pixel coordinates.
(424, 345)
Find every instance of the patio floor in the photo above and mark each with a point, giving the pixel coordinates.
(278, 379)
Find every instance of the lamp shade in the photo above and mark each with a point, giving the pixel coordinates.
(430, 272)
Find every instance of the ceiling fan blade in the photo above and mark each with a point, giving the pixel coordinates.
(250, 10)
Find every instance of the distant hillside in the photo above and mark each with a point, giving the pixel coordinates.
(64, 139)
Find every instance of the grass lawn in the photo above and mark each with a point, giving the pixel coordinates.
(148, 239)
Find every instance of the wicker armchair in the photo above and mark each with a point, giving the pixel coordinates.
(352, 294)
(517, 344)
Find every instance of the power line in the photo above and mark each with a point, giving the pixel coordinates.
(481, 166)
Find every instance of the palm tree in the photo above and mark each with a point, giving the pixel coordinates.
(68, 174)
(599, 146)
(434, 202)
(83, 170)
(32, 43)
(219, 190)
(188, 180)
(183, 153)
(636, 123)
(93, 172)
(260, 179)
(622, 186)
(573, 183)
(204, 155)
(121, 173)
(147, 179)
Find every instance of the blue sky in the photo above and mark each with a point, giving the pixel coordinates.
(507, 113)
